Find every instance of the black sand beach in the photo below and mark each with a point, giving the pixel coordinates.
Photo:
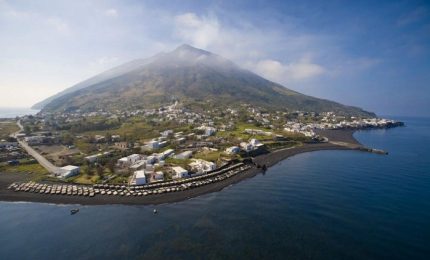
(269, 160)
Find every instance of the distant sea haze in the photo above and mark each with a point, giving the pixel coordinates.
(12, 112)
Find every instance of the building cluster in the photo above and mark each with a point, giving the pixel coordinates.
(11, 152)
(359, 123)
(153, 168)
(333, 122)
(301, 128)
(191, 133)
(252, 145)
(41, 138)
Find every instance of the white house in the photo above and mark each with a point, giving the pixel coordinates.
(184, 155)
(151, 159)
(92, 158)
(179, 172)
(153, 144)
(180, 140)
(159, 176)
(140, 177)
(208, 130)
(69, 171)
(247, 147)
(255, 143)
(129, 160)
(201, 166)
(166, 154)
(138, 165)
(166, 133)
(162, 144)
(34, 140)
(115, 138)
(232, 150)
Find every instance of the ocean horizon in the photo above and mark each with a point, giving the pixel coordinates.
(12, 112)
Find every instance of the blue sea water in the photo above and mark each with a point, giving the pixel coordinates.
(319, 205)
(7, 112)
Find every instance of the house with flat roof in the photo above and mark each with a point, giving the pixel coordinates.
(179, 172)
(184, 155)
(140, 177)
(69, 171)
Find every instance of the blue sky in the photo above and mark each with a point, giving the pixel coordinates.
(372, 54)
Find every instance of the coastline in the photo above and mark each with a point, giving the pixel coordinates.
(270, 159)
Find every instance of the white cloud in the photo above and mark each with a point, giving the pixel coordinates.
(303, 69)
(251, 47)
(198, 31)
(111, 12)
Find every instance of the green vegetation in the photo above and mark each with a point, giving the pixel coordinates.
(281, 145)
(84, 179)
(119, 180)
(30, 168)
(7, 128)
(239, 133)
(212, 156)
(85, 146)
(179, 162)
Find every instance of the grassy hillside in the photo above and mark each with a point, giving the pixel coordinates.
(191, 75)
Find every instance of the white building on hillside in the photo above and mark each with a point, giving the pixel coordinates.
(153, 144)
(166, 154)
(184, 155)
(201, 166)
(138, 165)
(208, 130)
(166, 133)
(129, 160)
(140, 177)
(232, 150)
(159, 176)
(179, 172)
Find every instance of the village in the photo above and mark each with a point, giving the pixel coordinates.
(169, 143)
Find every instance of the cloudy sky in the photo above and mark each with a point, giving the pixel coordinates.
(372, 54)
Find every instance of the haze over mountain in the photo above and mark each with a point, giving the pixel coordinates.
(189, 75)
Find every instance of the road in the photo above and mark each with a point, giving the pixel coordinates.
(39, 158)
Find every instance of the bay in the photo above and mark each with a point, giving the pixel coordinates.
(319, 205)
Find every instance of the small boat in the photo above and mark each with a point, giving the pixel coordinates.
(74, 211)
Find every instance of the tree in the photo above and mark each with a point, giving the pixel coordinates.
(89, 170)
(100, 170)
(67, 139)
(111, 166)
(27, 129)
(108, 137)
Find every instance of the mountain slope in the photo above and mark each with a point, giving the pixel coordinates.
(107, 75)
(189, 75)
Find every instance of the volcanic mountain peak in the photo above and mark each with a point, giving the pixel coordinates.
(185, 74)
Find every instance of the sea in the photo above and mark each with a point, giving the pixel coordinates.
(7, 112)
(317, 205)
